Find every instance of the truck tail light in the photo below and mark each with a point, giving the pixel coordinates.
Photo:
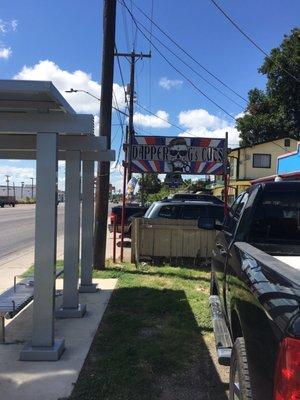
(287, 376)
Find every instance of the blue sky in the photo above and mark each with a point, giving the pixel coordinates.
(53, 39)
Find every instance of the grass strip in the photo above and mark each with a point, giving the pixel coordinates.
(150, 344)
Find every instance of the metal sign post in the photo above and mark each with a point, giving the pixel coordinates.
(123, 212)
(225, 175)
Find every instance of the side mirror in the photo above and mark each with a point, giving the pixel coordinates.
(206, 223)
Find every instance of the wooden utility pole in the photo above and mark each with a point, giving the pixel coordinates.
(133, 56)
(102, 192)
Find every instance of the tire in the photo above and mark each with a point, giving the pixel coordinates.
(239, 384)
(213, 289)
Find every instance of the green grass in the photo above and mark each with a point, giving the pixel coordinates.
(30, 270)
(150, 344)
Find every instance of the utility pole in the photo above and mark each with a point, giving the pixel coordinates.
(7, 185)
(133, 56)
(22, 189)
(109, 27)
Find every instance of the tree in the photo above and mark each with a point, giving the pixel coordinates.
(275, 112)
(150, 184)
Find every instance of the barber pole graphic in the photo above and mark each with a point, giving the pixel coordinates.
(184, 155)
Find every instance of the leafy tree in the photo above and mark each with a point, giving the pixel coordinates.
(150, 184)
(275, 112)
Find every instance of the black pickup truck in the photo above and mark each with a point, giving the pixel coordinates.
(255, 292)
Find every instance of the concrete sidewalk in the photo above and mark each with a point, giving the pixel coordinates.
(51, 380)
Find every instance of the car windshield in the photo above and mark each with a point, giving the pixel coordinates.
(148, 212)
(277, 219)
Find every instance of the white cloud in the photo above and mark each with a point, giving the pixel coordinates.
(200, 123)
(168, 84)
(150, 121)
(200, 118)
(6, 26)
(47, 70)
(14, 24)
(5, 52)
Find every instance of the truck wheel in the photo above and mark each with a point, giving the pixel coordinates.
(239, 384)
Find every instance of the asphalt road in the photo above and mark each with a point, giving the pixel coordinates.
(17, 227)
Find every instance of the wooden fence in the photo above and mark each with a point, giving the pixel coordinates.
(170, 240)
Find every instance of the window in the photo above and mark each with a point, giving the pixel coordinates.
(193, 212)
(277, 219)
(287, 142)
(168, 212)
(235, 212)
(261, 160)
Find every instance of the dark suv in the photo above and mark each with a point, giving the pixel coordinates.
(195, 197)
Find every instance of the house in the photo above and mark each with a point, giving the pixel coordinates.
(253, 162)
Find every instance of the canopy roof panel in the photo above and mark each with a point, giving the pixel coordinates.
(32, 97)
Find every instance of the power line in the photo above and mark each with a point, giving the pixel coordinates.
(150, 64)
(191, 68)
(251, 40)
(176, 69)
(188, 54)
(157, 116)
(125, 28)
(121, 74)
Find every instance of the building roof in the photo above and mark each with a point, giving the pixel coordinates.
(257, 144)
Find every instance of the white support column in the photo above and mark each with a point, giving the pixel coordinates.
(87, 228)
(43, 346)
(71, 307)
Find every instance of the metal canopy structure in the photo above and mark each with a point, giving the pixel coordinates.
(32, 96)
(36, 122)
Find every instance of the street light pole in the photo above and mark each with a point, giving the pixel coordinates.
(7, 185)
(32, 187)
(22, 189)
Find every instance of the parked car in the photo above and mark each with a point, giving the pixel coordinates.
(195, 197)
(7, 200)
(185, 210)
(132, 211)
(255, 292)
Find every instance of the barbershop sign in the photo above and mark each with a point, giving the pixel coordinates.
(184, 155)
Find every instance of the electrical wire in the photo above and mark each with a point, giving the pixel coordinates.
(187, 53)
(124, 15)
(251, 40)
(157, 116)
(122, 78)
(175, 68)
(191, 68)
(150, 61)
